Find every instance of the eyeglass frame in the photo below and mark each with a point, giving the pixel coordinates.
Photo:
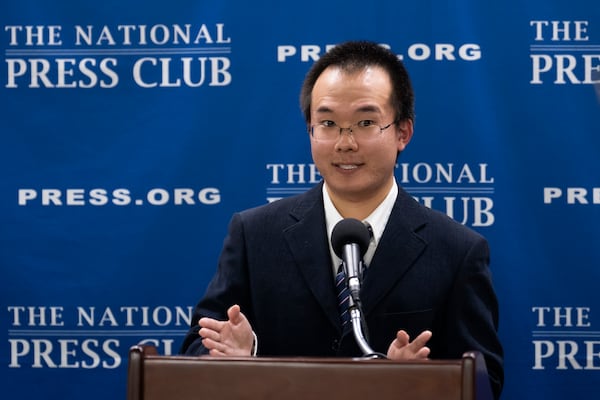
(349, 129)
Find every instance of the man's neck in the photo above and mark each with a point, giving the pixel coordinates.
(359, 208)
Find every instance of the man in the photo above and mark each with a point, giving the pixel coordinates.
(427, 290)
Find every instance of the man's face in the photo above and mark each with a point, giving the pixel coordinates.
(362, 169)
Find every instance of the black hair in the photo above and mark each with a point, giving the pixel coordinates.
(354, 56)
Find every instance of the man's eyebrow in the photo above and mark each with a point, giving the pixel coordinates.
(369, 108)
(324, 109)
(365, 108)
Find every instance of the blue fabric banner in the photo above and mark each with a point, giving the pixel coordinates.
(131, 131)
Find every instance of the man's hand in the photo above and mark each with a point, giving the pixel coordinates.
(227, 338)
(403, 349)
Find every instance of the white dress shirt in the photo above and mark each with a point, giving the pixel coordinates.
(377, 220)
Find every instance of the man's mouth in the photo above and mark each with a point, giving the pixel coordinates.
(347, 167)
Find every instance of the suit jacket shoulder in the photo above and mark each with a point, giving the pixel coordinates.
(293, 207)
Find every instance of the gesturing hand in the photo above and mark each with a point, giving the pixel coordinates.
(227, 338)
(403, 349)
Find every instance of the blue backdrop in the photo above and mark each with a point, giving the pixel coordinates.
(131, 131)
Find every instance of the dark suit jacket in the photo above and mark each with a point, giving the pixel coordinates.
(428, 272)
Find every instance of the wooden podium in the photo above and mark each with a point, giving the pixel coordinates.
(155, 377)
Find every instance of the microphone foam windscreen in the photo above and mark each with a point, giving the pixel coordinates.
(350, 230)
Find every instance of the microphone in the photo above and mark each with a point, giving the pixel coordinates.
(350, 240)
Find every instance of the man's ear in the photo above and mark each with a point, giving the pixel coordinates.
(404, 131)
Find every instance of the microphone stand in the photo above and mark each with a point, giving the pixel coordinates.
(354, 308)
(356, 320)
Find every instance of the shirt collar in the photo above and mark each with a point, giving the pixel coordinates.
(377, 219)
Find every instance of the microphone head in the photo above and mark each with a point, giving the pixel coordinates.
(347, 231)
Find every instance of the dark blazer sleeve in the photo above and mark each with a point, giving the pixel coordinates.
(467, 319)
(227, 287)
(275, 264)
(471, 317)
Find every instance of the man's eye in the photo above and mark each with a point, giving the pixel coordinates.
(366, 123)
(328, 124)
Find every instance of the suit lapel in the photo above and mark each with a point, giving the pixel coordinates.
(399, 248)
(397, 251)
(308, 243)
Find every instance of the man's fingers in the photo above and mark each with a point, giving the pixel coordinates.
(402, 338)
(216, 353)
(421, 340)
(214, 346)
(210, 323)
(235, 314)
(209, 334)
(423, 352)
(403, 349)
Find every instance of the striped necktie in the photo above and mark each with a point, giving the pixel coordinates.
(343, 295)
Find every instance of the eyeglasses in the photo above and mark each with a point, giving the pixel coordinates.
(362, 130)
